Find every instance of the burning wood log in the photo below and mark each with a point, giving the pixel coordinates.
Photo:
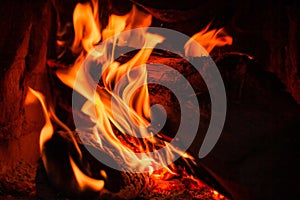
(158, 95)
(258, 142)
(59, 178)
(264, 141)
(118, 185)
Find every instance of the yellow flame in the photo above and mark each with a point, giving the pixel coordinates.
(134, 19)
(129, 111)
(47, 130)
(132, 106)
(84, 181)
(86, 24)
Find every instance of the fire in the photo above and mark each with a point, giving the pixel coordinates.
(134, 19)
(133, 113)
(47, 130)
(86, 26)
(209, 40)
(115, 104)
(84, 182)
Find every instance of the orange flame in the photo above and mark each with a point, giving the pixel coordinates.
(207, 39)
(47, 130)
(86, 24)
(84, 182)
(111, 107)
(134, 19)
(132, 107)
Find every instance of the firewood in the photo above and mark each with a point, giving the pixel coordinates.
(23, 50)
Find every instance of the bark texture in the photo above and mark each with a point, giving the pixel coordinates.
(24, 37)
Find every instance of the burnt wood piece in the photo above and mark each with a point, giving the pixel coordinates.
(284, 41)
(169, 4)
(257, 156)
(23, 48)
(176, 15)
(59, 183)
(274, 43)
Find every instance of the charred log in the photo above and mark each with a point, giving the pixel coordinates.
(23, 45)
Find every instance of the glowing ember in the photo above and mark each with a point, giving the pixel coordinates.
(184, 186)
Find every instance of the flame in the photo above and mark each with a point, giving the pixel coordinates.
(47, 130)
(217, 195)
(30, 97)
(86, 24)
(134, 19)
(84, 182)
(207, 39)
(122, 101)
(133, 108)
